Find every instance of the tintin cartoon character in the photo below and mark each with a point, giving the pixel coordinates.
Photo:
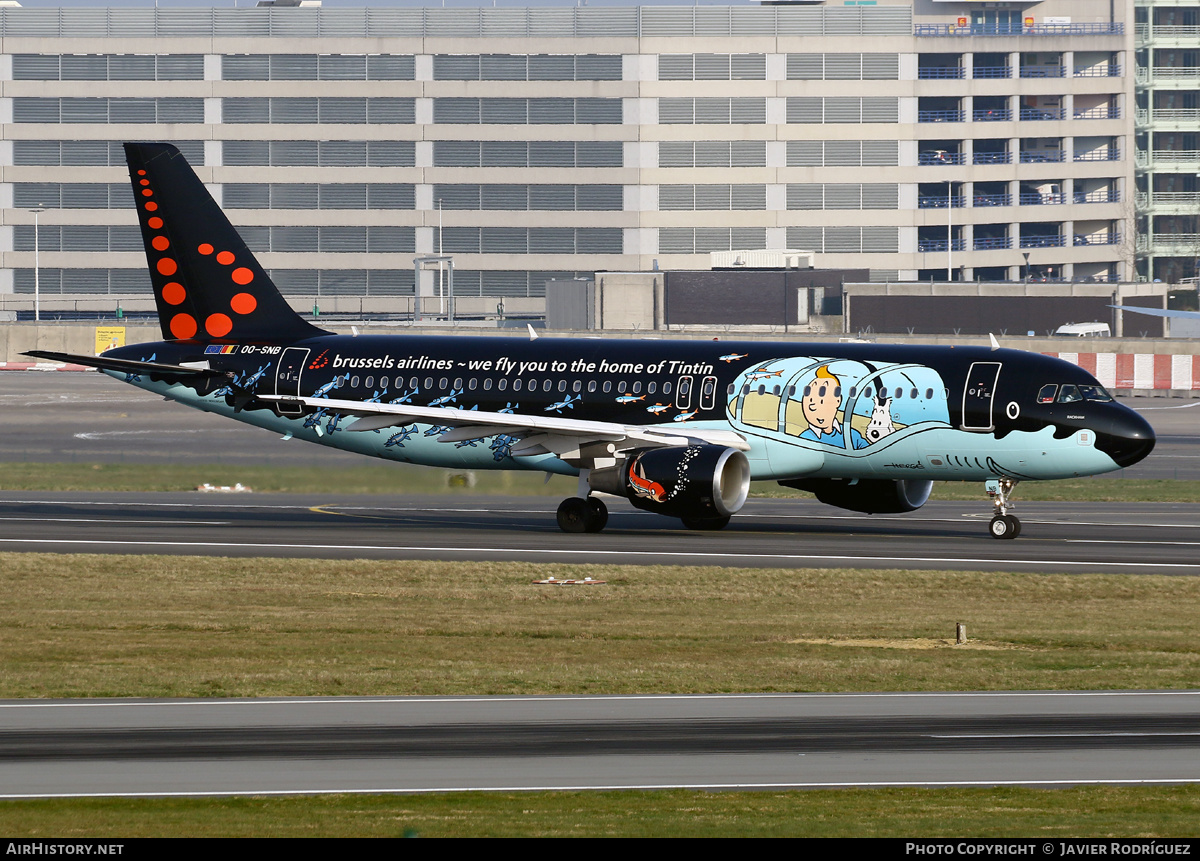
(821, 401)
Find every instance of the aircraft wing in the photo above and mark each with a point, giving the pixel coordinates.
(569, 439)
(129, 366)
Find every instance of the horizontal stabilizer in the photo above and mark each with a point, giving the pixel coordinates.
(126, 366)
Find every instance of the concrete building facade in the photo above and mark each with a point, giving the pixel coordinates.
(914, 138)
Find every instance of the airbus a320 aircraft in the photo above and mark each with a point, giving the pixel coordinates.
(679, 428)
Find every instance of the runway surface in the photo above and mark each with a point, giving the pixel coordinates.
(1143, 538)
(758, 741)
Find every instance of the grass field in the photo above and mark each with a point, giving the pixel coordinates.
(1100, 811)
(150, 626)
(405, 479)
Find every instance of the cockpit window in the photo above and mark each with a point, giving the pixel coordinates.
(1096, 393)
(1069, 395)
(1046, 395)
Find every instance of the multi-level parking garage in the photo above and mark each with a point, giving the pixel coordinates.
(908, 137)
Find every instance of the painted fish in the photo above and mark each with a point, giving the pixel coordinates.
(658, 409)
(643, 486)
(630, 399)
(733, 357)
(683, 417)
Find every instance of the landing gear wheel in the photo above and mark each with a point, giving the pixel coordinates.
(1004, 526)
(706, 524)
(574, 514)
(597, 515)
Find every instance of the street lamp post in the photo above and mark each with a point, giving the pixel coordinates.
(949, 230)
(37, 269)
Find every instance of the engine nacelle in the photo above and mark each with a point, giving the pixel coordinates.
(695, 481)
(871, 495)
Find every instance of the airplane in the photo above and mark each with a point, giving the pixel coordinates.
(794, 412)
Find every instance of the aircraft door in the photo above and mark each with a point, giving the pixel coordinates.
(978, 393)
(287, 377)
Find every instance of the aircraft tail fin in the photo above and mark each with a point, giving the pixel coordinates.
(207, 284)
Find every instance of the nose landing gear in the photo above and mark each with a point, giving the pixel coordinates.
(1003, 525)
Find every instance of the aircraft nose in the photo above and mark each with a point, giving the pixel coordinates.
(1127, 440)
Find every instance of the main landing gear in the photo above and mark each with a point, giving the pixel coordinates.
(582, 514)
(1003, 525)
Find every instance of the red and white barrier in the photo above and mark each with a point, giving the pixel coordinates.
(1139, 370)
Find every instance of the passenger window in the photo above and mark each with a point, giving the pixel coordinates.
(517, 385)
(429, 382)
(1069, 395)
(914, 394)
(577, 385)
(370, 381)
(929, 394)
(708, 393)
(502, 385)
(591, 385)
(487, 384)
(666, 388)
(546, 385)
(412, 384)
(472, 383)
(457, 383)
(1046, 395)
(354, 382)
(683, 400)
(899, 393)
(651, 388)
(383, 382)
(621, 387)
(607, 386)
(442, 383)
(637, 387)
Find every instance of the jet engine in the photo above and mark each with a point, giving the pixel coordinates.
(872, 495)
(695, 482)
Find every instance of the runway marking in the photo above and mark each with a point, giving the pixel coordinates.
(95, 435)
(866, 784)
(579, 552)
(1070, 735)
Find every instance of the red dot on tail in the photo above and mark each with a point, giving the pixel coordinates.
(147, 192)
(145, 182)
(160, 243)
(167, 266)
(155, 222)
(243, 303)
(218, 325)
(205, 249)
(151, 206)
(225, 258)
(183, 326)
(242, 276)
(141, 173)
(173, 293)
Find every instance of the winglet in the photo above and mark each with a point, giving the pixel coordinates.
(532, 334)
(995, 343)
